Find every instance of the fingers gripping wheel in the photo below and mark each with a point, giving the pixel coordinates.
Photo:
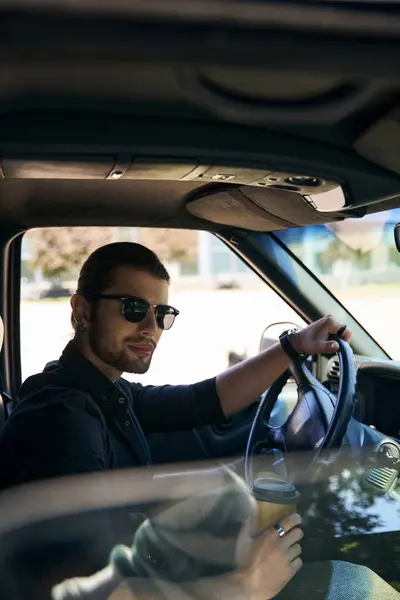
(318, 421)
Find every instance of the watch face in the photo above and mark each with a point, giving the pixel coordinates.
(292, 331)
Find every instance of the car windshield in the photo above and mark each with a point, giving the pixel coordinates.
(358, 262)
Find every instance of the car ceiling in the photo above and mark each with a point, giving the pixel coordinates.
(126, 114)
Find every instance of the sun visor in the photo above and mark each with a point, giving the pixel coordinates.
(255, 209)
(380, 143)
(63, 167)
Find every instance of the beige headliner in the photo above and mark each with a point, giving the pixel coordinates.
(36, 203)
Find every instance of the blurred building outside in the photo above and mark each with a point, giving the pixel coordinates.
(198, 259)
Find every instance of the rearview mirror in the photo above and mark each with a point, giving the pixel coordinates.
(271, 333)
(397, 236)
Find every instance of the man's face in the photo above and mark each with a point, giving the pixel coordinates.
(121, 346)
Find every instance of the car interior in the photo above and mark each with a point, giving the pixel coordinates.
(243, 123)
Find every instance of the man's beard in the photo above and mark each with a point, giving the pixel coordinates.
(118, 359)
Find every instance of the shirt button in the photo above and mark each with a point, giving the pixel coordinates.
(121, 400)
(104, 399)
(127, 423)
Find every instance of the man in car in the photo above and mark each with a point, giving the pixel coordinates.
(80, 416)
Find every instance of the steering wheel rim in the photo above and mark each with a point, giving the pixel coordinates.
(314, 402)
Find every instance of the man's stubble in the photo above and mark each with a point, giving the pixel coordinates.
(117, 358)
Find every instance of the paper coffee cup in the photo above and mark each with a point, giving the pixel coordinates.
(276, 498)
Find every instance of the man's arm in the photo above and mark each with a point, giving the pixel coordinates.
(180, 407)
(240, 385)
(176, 407)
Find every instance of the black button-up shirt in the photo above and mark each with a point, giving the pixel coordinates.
(71, 419)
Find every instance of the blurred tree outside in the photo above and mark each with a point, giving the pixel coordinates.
(336, 250)
(60, 251)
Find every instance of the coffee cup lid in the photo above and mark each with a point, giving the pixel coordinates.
(275, 490)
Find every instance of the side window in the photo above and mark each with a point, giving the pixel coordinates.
(224, 307)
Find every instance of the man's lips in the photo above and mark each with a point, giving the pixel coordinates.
(142, 350)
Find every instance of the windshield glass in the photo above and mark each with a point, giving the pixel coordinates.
(358, 262)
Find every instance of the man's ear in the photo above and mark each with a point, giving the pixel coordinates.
(81, 310)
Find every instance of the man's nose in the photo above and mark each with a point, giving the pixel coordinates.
(149, 324)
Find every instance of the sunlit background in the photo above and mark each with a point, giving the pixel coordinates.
(224, 306)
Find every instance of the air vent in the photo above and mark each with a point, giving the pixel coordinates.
(333, 374)
(380, 479)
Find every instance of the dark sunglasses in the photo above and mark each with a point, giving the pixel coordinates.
(136, 309)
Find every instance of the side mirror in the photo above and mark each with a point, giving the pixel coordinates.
(271, 333)
(397, 236)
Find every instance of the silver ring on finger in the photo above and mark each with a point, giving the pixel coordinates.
(280, 531)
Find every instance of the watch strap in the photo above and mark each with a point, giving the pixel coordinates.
(287, 346)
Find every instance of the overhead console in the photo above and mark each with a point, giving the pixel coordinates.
(252, 197)
(162, 168)
(269, 182)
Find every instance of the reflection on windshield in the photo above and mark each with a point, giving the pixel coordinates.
(357, 260)
(186, 533)
(192, 533)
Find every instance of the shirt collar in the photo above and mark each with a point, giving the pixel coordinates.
(89, 378)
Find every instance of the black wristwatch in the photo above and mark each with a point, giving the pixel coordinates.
(287, 347)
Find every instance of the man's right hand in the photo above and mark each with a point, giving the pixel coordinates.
(274, 561)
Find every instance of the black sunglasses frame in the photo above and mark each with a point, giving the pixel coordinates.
(159, 318)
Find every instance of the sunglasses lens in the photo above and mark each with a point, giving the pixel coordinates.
(165, 317)
(135, 310)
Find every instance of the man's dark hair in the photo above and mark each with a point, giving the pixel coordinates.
(96, 272)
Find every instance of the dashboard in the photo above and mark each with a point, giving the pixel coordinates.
(377, 392)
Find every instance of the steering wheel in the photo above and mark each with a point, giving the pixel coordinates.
(318, 421)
